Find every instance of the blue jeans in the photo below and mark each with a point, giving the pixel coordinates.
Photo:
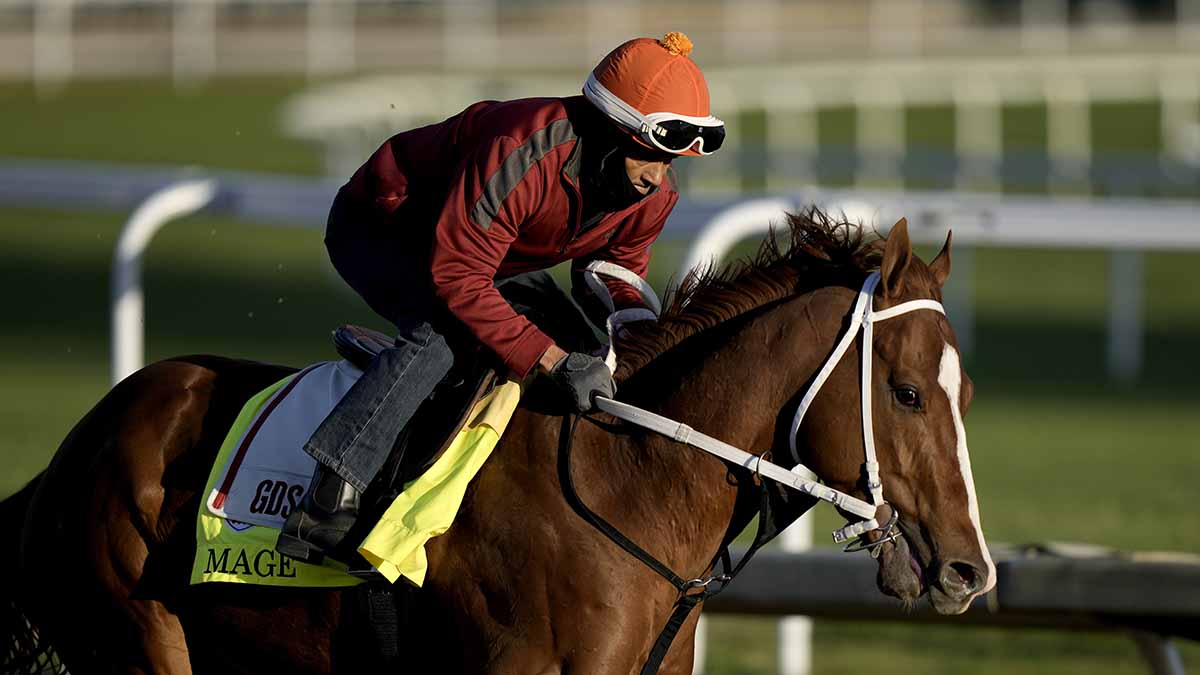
(357, 435)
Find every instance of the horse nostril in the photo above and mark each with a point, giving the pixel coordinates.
(960, 578)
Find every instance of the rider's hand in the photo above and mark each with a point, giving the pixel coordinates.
(582, 377)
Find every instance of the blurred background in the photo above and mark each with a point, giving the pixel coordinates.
(1059, 139)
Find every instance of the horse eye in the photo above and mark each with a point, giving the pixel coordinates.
(907, 397)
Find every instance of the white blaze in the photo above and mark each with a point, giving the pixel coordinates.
(950, 377)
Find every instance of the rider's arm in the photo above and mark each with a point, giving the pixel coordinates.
(480, 220)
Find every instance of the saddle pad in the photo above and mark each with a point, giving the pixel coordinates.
(241, 552)
(267, 474)
(237, 552)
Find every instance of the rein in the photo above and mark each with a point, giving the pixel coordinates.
(692, 592)
(863, 317)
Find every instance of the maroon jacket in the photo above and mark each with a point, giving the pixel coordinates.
(492, 192)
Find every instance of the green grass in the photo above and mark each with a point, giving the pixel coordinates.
(1048, 430)
(747, 645)
(227, 123)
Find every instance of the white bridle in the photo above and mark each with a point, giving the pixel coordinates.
(863, 318)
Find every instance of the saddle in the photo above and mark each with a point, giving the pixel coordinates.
(434, 425)
(440, 417)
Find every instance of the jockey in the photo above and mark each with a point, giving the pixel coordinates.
(438, 214)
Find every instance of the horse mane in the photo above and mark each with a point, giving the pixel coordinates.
(819, 250)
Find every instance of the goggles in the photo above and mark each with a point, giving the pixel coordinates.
(667, 131)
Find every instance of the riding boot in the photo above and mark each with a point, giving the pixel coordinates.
(318, 525)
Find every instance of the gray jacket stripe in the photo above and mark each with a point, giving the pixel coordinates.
(512, 171)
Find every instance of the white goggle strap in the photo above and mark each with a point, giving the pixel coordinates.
(709, 121)
(616, 319)
(613, 106)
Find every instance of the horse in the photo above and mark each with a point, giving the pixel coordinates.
(521, 583)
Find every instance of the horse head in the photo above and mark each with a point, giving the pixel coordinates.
(919, 396)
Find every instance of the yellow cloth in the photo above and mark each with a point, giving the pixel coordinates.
(396, 546)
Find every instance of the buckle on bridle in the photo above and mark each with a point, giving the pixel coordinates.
(704, 583)
(889, 533)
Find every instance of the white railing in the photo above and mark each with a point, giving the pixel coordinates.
(977, 220)
(127, 300)
(980, 220)
(352, 118)
(1120, 225)
(1145, 595)
(201, 38)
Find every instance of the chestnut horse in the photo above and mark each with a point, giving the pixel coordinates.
(522, 583)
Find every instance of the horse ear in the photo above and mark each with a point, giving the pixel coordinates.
(897, 253)
(941, 264)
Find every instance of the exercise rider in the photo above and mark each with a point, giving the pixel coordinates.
(438, 214)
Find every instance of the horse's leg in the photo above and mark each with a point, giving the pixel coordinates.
(162, 642)
(101, 539)
(140, 558)
(156, 642)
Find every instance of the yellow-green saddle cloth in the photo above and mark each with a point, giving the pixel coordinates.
(236, 552)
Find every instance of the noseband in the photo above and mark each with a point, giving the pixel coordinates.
(863, 318)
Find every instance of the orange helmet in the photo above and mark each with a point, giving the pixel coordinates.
(652, 89)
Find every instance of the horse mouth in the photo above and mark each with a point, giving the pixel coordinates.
(900, 573)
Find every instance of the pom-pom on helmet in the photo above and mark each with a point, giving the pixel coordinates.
(653, 90)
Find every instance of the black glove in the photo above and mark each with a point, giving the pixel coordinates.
(582, 377)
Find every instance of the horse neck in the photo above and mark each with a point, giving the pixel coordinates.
(729, 383)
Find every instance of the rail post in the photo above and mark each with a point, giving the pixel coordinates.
(1160, 653)
(127, 305)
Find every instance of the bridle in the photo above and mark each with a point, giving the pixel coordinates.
(692, 592)
(863, 318)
